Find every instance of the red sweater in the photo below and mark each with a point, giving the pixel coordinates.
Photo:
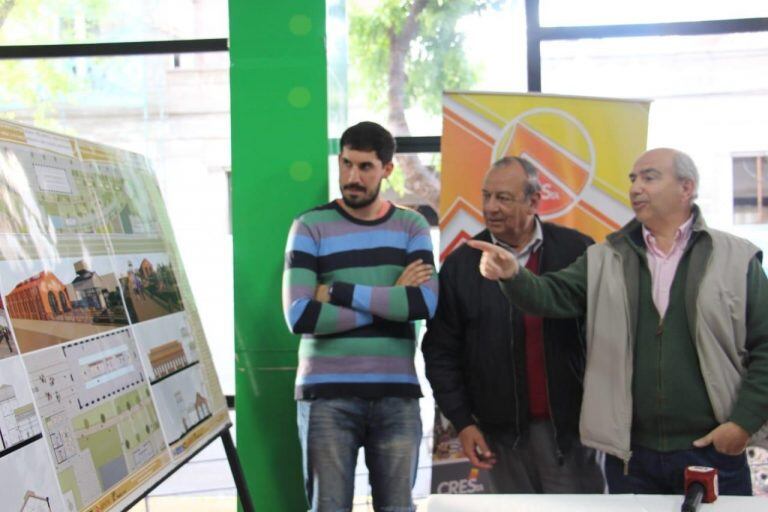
(536, 374)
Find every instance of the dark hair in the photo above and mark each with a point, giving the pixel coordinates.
(369, 136)
(532, 184)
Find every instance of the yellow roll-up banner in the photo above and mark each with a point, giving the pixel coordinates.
(582, 147)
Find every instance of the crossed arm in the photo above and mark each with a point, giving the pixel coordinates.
(312, 307)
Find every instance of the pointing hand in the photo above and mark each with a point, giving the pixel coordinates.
(496, 263)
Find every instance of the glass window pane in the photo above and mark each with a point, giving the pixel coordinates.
(709, 99)
(173, 109)
(337, 49)
(658, 66)
(100, 21)
(400, 190)
(560, 13)
(456, 45)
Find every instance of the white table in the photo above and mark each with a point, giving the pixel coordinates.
(584, 503)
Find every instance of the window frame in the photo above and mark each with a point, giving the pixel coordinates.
(760, 159)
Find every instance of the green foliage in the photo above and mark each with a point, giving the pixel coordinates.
(435, 60)
(397, 181)
(39, 84)
(36, 84)
(48, 22)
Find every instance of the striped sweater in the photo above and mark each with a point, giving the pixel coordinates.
(362, 342)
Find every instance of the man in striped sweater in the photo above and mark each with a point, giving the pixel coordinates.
(358, 272)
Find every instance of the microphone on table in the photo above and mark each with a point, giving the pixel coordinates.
(700, 486)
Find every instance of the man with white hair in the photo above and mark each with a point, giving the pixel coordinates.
(677, 335)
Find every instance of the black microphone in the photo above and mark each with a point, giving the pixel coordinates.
(693, 496)
(700, 485)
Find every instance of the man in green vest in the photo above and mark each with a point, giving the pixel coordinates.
(677, 335)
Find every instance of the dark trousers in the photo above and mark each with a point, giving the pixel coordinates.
(531, 466)
(652, 472)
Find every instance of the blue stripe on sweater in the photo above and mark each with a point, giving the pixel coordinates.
(430, 299)
(350, 378)
(420, 243)
(296, 310)
(361, 298)
(363, 240)
(302, 243)
(362, 318)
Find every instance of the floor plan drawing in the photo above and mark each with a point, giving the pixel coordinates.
(121, 178)
(18, 419)
(78, 197)
(97, 412)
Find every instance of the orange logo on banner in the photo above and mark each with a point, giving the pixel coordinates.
(559, 147)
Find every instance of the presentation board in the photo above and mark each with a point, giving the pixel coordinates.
(106, 380)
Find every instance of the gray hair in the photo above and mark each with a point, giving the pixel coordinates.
(685, 169)
(532, 184)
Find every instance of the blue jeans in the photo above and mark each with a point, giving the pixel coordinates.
(652, 472)
(332, 431)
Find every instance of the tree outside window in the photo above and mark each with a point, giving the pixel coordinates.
(404, 54)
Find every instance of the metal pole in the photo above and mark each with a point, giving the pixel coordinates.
(237, 471)
(759, 176)
(533, 31)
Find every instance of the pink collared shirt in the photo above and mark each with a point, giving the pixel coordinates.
(663, 266)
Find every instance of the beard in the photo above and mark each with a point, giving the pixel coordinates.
(360, 202)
